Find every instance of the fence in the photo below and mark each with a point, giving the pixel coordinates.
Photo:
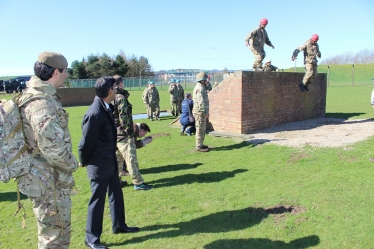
(139, 83)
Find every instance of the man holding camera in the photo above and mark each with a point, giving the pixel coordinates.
(127, 134)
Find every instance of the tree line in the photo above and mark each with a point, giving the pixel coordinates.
(95, 66)
(362, 57)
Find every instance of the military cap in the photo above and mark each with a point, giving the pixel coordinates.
(151, 83)
(201, 76)
(178, 81)
(53, 59)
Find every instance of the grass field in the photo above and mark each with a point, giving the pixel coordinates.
(236, 196)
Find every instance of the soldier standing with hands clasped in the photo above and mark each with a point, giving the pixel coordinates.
(256, 40)
(311, 51)
(174, 97)
(152, 99)
(201, 109)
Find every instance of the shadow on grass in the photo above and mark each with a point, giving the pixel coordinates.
(343, 115)
(233, 146)
(196, 178)
(173, 167)
(259, 243)
(11, 196)
(225, 221)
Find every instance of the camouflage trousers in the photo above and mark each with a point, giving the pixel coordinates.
(200, 123)
(259, 54)
(179, 106)
(127, 151)
(174, 108)
(53, 219)
(148, 110)
(310, 73)
(154, 108)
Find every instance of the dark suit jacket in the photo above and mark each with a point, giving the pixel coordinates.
(97, 148)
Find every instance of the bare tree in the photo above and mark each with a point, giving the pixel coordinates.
(362, 57)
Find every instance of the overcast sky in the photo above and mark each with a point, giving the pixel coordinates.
(192, 34)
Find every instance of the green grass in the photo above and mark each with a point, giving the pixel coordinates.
(218, 199)
(341, 75)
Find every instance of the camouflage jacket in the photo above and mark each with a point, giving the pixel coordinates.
(174, 93)
(180, 93)
(200, 100)
(46, 128)
(311, 51)
(152, 96)
(144, 94)
(270, 68)
(123, 114)
(258, 38)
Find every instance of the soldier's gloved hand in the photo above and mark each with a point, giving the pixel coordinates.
(293, 58)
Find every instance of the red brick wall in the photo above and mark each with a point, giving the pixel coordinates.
(76, 96)
(249, 101)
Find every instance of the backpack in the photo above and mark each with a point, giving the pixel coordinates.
(15, 159)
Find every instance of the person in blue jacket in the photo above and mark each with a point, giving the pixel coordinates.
(186, 119)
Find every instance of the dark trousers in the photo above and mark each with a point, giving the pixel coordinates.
(192, 128)
(99, 188)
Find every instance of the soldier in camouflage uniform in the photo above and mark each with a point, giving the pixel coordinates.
(180, 96)
(174, 97)
(311, 51)
(50, 180)
(268, 67)
(146, 105)
(256, 40)
(201, 109)
(152, 99)
(126, 143)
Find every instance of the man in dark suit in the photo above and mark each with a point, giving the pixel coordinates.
(97, 151)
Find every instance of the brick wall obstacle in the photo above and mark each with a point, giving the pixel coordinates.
(248, 101)
(76, 96)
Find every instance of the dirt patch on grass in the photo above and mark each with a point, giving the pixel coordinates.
(318, 132)
(164, 134)
(282, 209)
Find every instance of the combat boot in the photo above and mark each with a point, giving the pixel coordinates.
(202, 149)
(306, 87)
(302, 87)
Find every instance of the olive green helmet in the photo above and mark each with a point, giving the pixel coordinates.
(201, 76)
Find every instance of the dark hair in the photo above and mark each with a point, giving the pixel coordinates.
(145, 127)
(43, 71)
(103, 85)
(188, 95)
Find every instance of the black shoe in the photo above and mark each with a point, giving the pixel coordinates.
(127, 230)
(302, 87)
(123, 184)
(95, 246)
(306, 87)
